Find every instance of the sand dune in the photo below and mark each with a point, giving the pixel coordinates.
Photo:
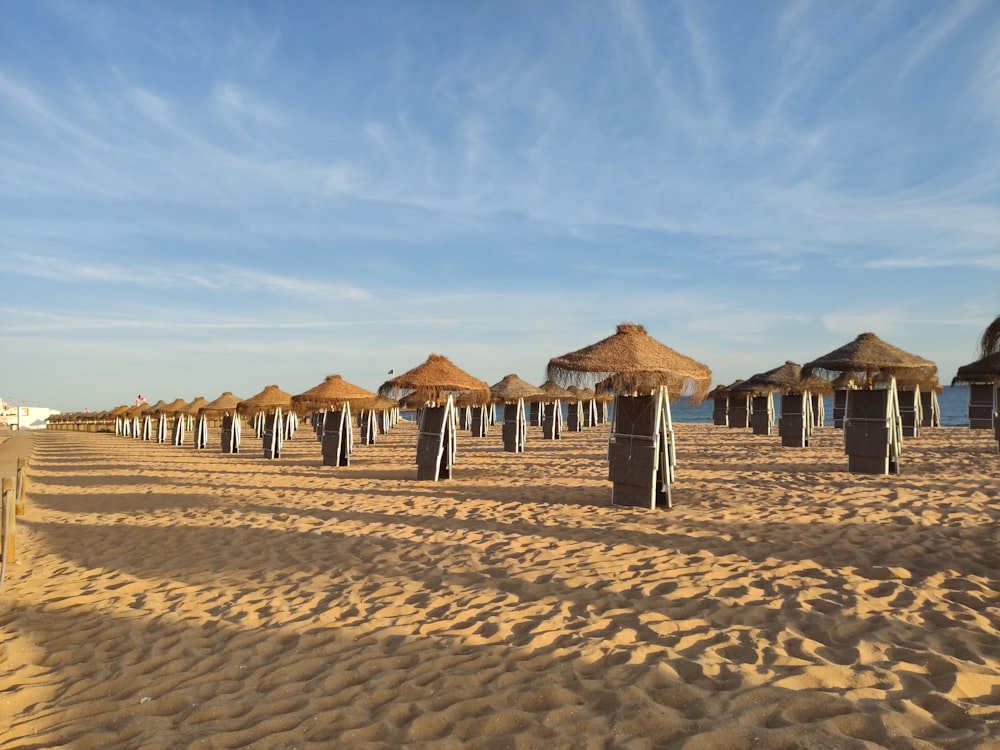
(172, 598)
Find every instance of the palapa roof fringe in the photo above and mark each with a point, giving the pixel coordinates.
(786, 378)
(195, 407)
(511, 388)
(334, 391)
(867, 355)
(176, 406)
(985, 370)
(432, 382)
(272, 397)
(226, 402)
(631, 361)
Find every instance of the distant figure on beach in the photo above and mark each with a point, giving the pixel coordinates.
(139, 399)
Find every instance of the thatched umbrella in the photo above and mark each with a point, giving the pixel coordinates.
(633, 362)
(388, 411)
(867, 355)
(272, 397)
(801, 402)
(433, 381)
(511, 388)
(194, 408)
(985, 370)
(433, 385)
(164, 413)
(224, 407)
(177, 406)
(514, 392)
(554, 391)
(983, 377)
(193, 412)
(120, 416)
(331, 403)
(266, 408)
(550, 409)
(786, 378)
(133, 415)
(226, 403)
(872, 419)
(643, 372)
(332, 392)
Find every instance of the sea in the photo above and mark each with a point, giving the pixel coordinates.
(953, 402)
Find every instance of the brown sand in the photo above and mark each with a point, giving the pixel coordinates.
(172, 598)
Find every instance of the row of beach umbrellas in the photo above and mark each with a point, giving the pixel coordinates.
(629, 361)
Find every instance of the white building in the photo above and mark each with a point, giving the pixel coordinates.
(24, 417)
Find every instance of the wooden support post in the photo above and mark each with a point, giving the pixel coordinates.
(7, 530)
(19, 487)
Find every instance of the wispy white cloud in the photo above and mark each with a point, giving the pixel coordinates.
(161, 276)
(930, 34)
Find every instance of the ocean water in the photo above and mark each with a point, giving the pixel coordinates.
(953, 401)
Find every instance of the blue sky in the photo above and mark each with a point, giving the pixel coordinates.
(198, 197)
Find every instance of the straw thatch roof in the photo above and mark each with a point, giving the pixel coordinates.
(432, 382)
(137, 410)
(867, 355)
(985, 370)
(553, 391)
(632, 361)
(724, 390)
(272, 397)
(786, 378)
(816, 384)
(157, 407)
(227, 402)
(174, 407)
(118, 411)
(844, 380)
(511, 388)
(195, 407)
(384, 404)
(334, 391)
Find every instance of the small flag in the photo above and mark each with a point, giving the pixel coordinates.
(390, 372)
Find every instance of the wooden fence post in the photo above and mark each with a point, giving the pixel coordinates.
(19, 487)
(7, 530)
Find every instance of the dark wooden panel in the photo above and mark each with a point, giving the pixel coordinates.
(551, 418)
(791, 425)
(868, 405)
(839, 408)
(760, 421)
(632, 496)
(632, 462)
(866, 439)
(981, 394)
(635, 415)
(429, 447)
(795, 441)
(739, 411)
(791, 403)
(867, 464)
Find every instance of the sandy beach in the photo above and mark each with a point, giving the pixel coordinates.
(165, 597)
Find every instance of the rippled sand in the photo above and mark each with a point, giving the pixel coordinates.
(172, 598)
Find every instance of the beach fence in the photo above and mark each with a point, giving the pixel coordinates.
(11, 505)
